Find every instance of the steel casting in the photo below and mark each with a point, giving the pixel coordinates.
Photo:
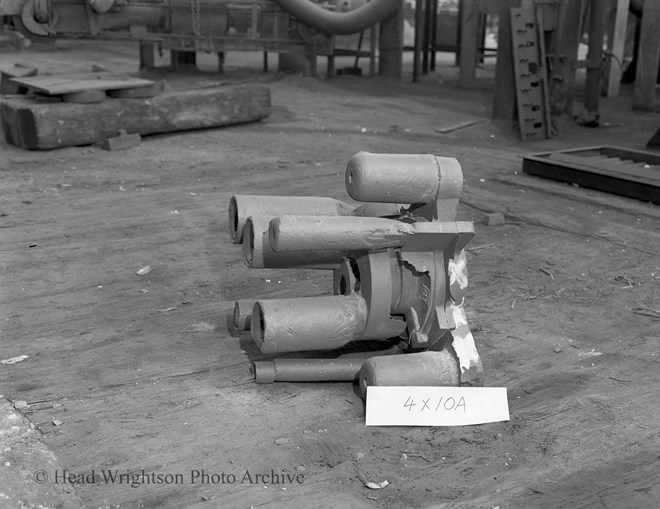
(400, 274)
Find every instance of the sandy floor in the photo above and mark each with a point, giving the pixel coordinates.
(142, 372)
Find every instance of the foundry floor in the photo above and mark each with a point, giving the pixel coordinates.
(142, 373)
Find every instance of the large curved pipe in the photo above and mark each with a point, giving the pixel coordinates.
(336, 23)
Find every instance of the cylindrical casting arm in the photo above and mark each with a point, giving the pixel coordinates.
(307, 323)
(422, 369)
(242, 206)
(306, 233)
(259, 254)
(403, 178)
(306, 370)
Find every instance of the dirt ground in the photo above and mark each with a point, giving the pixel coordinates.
(132, 373)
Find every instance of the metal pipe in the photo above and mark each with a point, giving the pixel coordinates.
(403, 178)
(306, 370)
(243, 206)
(428, 368)
(336, 23)
(301, 233)
(259, 254)
(307, 323)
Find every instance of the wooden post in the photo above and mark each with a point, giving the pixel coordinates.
(504, 99)
(562, 55)
(147, 60)
(616, 41)
(391, 45)
(469, 36)
(648, 57)
(419, 39)
(594, 57)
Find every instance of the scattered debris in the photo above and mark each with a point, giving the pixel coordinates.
(57, 422)
(281, 441)
(547, 272)
(591, 353)
(202, 327)
(653, 313)
(371, 485)
(20, 404)
(14, 360)
(144, 270)
(376, 486)
(479, 248)
(455, 127)
(122, 141)
(493, 219)
(166, 310)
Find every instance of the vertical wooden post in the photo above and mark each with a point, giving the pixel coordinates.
(391, 45)
(504, 99)
(594, 57)
(562, 55)
(147, 60)
(469, 35)
(419, 39)
(616, 41)
(648, 57)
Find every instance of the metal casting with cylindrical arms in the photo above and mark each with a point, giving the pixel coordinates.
(398, 278)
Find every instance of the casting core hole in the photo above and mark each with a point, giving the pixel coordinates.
(237, 316)
(258, 323)
(342, 285)
(249, 231)
(233, 218)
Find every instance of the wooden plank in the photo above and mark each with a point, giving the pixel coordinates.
(648, 56)
(529, 73)
(32, 125)
(57, 85)
(470, 14)
(615, 46)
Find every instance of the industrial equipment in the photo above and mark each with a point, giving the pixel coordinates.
(199, 25)
(399, 272)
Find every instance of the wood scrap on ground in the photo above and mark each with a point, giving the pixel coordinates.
(35, 125)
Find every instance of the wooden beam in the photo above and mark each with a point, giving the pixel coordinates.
(616, 41)
(470, 14)
(562, 55)
(37, 125)
(504, 99)
(390, 45)
(648, 57)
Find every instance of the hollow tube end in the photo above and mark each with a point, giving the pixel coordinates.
(274, 232)
(257, 325)
(249, 243)
(235, 229)
(263, 371)
(241, 319)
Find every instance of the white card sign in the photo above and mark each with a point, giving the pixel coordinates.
(435, 406)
